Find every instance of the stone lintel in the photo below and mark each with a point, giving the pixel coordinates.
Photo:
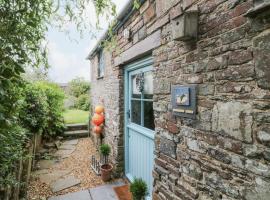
(141, 48)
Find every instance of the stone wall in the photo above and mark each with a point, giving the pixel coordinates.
(225, 152)
(105, 91)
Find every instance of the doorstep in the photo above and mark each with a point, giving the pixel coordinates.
(104, 192)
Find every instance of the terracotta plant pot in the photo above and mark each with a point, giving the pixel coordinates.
(106, 171)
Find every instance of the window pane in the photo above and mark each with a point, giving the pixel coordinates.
(101, 64)
(148, 115)
(136, 111)
(148, 85)
(135, 90)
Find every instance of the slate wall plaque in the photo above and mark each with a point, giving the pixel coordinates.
(184, 100)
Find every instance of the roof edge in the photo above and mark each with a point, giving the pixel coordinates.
(122, 17)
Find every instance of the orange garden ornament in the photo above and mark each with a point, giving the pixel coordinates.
(99, 109)
(97, 129)
(97, 119)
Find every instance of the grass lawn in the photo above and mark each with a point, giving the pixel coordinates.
(75, 116)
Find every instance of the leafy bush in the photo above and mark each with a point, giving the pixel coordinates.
(34, 109)
(42, 109)
(12, 146)
(138, 189)
(83, 102)
(12, 135)
(105, 149)
(55, 101)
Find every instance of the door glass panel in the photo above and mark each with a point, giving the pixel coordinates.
(135, 89)
(136, 111)
(141, 99)
(149, 115)
(148, 85)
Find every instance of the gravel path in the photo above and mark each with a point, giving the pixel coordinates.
(79, 163)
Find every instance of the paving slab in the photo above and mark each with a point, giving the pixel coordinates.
(64, 183)
(53, 176)
(64, 153)
(46, 164)
(81, 195)
(67, 147)
(105, 192)
(72, 142)
(41, 171)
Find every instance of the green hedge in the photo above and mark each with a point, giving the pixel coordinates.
(37, 109)
(55, 101)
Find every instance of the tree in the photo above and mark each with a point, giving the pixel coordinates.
(23, 25)
(80, 89)
(78, 86)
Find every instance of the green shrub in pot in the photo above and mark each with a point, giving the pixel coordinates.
(105, 151)
(138, 188)
(106, 168)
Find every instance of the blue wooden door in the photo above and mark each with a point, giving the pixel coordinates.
(139, 122)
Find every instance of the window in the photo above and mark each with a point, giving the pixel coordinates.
(101, 64)
(142, 100)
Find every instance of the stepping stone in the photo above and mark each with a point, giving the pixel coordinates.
(72, 142)
(41, 171)
(53, 176)
(81, 195)
(49, 145)
(105, 192)
(67, 147)
(64, 183)
(46, 164)
(64, 153)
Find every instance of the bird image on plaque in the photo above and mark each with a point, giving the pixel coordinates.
(182, 96)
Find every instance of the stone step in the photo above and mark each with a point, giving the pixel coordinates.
(75, 127)
(76, 134)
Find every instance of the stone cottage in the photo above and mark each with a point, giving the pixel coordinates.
(186, 93)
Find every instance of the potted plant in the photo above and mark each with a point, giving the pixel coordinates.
(138, 188)
(106, 168)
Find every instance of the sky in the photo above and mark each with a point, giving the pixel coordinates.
(68, 52)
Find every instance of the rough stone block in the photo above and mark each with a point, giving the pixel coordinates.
(162, 86)
(142, 33)
(195, 146)
(236, 73)
(192, 169)
(176, 11)
(172, 127)
(264, 137)
(258, 168)
(149, 14)
(233, 119)
(168, 147)
(261, 45)
(239, 57)
(261, 191)
(163, 6)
